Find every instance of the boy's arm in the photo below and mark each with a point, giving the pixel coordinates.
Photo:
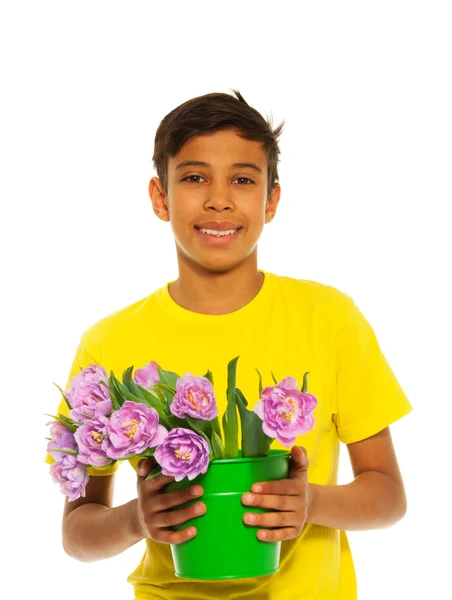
(374, 499)
(92, 529)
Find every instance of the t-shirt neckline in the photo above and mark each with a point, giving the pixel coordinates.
(242, 314)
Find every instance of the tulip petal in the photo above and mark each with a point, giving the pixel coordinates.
(259, 409)
(159, 436)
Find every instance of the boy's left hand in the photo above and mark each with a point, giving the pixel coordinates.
(289, 496)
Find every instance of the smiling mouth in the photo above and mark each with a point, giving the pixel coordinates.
(218, 233)
(219, 238)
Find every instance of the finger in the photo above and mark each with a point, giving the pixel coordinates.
(298, 462)
(145, 466)
(271, 519)
(275, 501)
(164, 536)
(277, 535)
(176, 517)
(154, 485)
(287, 487)
(169, 500)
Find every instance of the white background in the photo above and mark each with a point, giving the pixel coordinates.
(365, 89)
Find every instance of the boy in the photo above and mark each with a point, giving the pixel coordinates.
(216, 160)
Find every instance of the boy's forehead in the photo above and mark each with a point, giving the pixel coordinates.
(219, 149)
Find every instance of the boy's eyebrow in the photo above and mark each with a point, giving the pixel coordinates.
(200, 163)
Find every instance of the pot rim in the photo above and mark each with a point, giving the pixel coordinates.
(274, 453)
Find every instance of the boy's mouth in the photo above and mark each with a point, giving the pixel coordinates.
(218, 238)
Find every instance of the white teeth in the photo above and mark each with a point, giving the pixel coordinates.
(219, 233)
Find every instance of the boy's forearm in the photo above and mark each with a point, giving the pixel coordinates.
(372, 500)
(94, 532)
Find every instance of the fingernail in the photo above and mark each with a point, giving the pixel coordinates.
(262, 534)
(249, 498)
(250, 518)
(191, 532)
(257, 489)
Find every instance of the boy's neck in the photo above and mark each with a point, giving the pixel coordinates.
(216, 293)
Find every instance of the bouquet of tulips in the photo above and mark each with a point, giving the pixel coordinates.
(156, 413)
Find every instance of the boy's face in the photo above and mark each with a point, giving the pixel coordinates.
(216, 192)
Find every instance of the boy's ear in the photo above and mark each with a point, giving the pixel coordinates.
(158, 198)
(272, 203)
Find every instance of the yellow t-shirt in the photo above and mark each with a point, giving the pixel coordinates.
(290, 327)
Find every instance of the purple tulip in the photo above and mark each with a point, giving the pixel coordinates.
(183, 453)
(71, 475)
(132, 429)
(62, 439)
(87, 396)
(90, 438)
(285, 411)
(147, 376)
(194, 397)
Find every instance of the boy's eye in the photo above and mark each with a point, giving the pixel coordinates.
(191, 177)
(246, 178)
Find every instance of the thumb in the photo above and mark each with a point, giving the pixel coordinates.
(298, 460)
(145, 466)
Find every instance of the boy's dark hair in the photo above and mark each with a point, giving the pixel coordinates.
(206, 114)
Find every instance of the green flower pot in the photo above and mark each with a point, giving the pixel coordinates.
(225, 547)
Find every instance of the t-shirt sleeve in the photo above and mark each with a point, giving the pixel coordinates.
(368, 395)
(88, 352)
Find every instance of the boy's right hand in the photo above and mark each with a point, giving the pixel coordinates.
(153, 516)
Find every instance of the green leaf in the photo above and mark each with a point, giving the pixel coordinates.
(254, 441)
(62, 393)
(130, 384)
(163, 420)
(202, 428)
(127, 373)
(128, 457)
(72, 428)
(164, 386)
(154, 473)
(199, 425)
(305, 382)
(116, 399)
(121, 393)
(107, 385)
(176, 422)
(230, 419)
(211, 455)
(57, 418)
(217, 445)
(161, 396)
(148, 453)
(67, 419)
(274, 379)
(110, 464)
(161, 406)
(260, 384)
(65, 450)
(209, 376)
(168, 378)
(151, 400)
(216, 427)
(125, 393)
